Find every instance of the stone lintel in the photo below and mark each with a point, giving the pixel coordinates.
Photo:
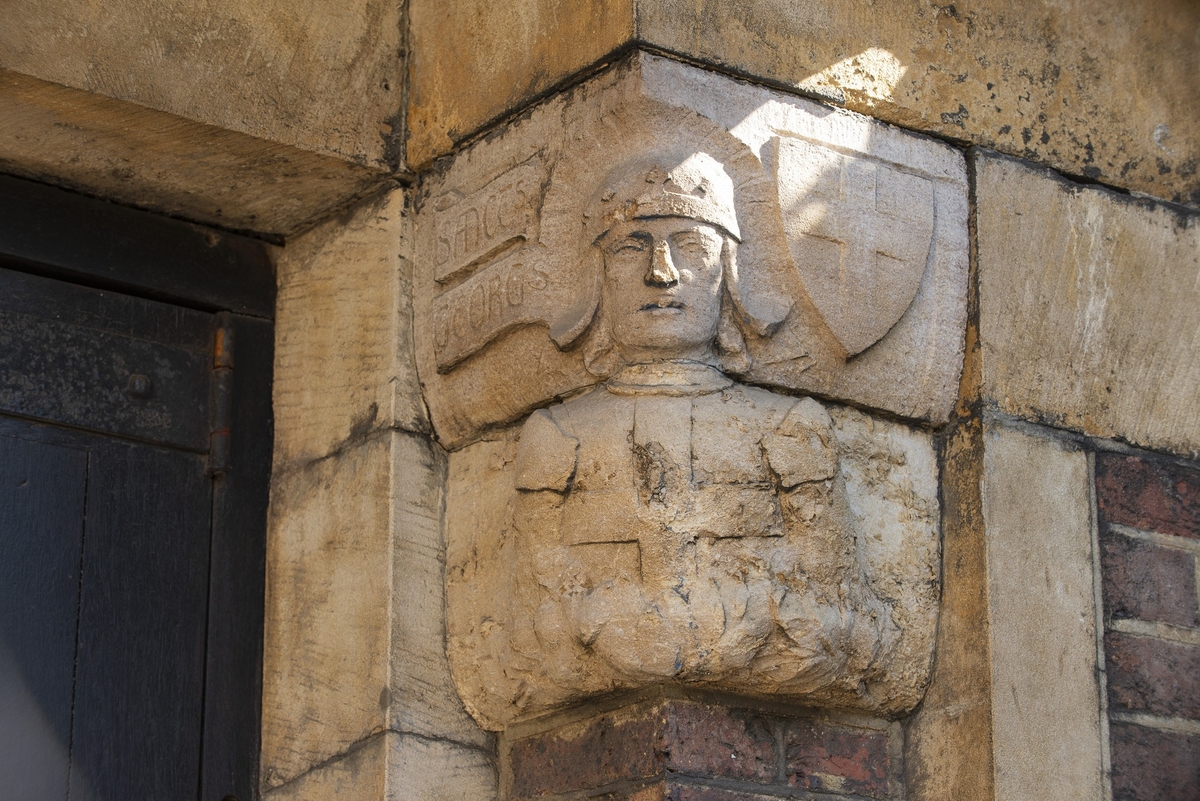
(327, 79)
(155, 160)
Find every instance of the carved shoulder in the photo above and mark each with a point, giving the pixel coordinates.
(546, 456)
(802, 447)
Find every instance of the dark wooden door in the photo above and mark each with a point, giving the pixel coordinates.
(134, 453)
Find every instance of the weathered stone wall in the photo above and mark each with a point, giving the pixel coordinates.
(263, 116)
(303, 74)
(220, 111)
(1065, 664)
(1083, 298)
(357, 697)
(1104, 91)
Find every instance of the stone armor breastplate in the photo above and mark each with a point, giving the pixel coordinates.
(663, 470)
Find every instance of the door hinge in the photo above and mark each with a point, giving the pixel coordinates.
(221, 401)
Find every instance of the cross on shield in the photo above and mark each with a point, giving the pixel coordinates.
(859, 231)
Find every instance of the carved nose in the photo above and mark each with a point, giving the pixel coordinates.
(662, 270)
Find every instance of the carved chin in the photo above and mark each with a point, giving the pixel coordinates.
(661, 331)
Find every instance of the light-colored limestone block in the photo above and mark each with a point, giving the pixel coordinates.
(359, 774)
(343, 333)
(326, 682)
(355, 623)
(423, 700)
(161, 162)
(393, 766)
(1112, 99)
(847, 271)
(314, 76)
(422, 769)
(1088, 307)
(1046, 734)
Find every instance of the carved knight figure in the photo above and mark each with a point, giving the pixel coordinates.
(680, 526)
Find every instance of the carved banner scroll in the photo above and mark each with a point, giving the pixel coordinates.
(517, 289)
(491, 274)
(470, 231)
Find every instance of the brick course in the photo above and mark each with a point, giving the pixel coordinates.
(710, 741)
(691, 792)
(688, 751)
(1146, 581)
(1149, 495)
(821, 757)
(1150, 765)
(1146, 674)
(609, 749)
(1149, 578)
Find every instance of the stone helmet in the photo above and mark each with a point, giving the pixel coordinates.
(696, 187)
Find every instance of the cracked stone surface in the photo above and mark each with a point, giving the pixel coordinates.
(674, 523)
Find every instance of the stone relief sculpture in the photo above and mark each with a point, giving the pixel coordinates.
(680, 525)
(663, 518)
(673, 524)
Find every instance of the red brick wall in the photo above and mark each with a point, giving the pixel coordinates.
(1149, 550)
(689, 751)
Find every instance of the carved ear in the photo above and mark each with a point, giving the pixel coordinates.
(569, 326)
(763, 308)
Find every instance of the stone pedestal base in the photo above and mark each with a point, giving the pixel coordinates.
(693, 750)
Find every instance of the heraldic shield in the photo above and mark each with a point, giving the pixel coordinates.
(860, 231)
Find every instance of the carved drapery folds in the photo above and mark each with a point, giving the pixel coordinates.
(622, 304)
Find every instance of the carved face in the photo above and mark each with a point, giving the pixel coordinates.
(662, 288)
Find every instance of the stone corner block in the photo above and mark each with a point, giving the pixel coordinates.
(1046, 734)
(1088, 307)
(343, 332)
(327, 626)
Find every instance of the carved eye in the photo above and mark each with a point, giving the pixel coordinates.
(692, 245)
(630, 245)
